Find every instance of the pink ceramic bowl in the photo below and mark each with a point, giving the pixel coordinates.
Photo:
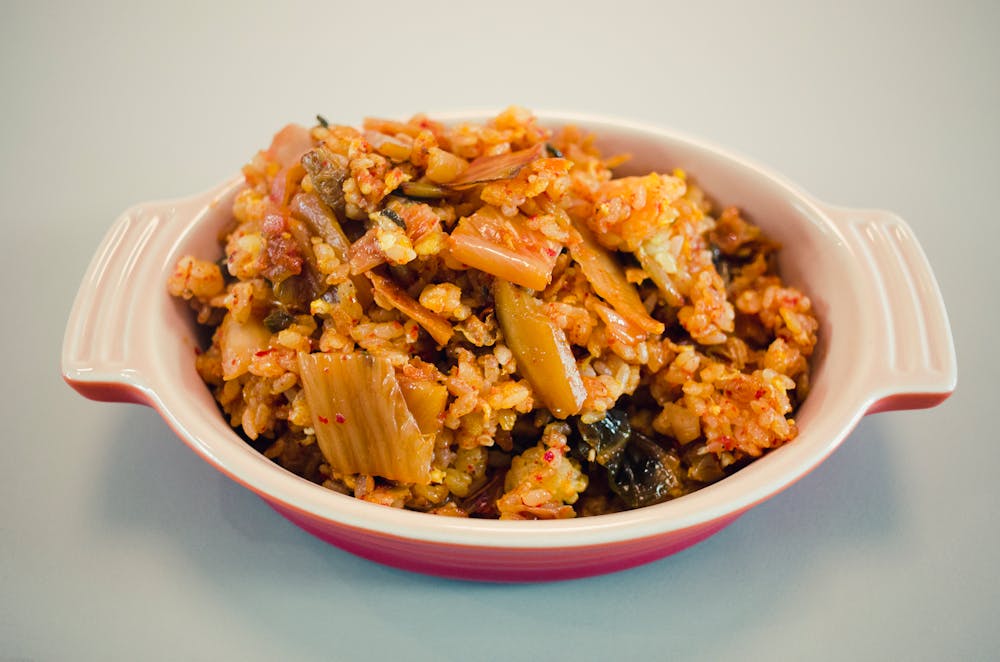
(885, 343)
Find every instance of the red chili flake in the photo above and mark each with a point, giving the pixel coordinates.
(551, 252)
(263, 352)
(197, 351)
(759, 394)
(790, 300)
(549, 455)
(340, 418)
(323, 419)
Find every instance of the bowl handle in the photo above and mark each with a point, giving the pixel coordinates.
(915, 365)
(100, 352)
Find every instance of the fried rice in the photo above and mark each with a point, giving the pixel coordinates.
(482, 320)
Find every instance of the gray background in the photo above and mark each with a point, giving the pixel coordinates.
(117, 542)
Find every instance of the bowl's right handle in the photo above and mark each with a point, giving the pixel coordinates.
(916, 364)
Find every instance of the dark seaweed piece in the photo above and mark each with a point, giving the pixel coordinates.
(420, 191)
(294, 293)
(645, 473)
(639, 470)
(721, 265)
(322, 121)
(605, 438)
(394, 217)
(278, 320)
(327, 170)
(483, 502)
(553, 151)
(704, 467)
(223, 264)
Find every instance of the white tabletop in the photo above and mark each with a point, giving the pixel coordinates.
(117, 542)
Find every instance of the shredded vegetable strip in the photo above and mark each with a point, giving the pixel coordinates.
(608, 280)
(493, 168)
(439, 328)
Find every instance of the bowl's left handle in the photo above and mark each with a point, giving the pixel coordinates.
(100, 356)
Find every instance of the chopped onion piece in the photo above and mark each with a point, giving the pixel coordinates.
(239, 342)
(499, 166)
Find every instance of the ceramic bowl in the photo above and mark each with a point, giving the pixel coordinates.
(885, 343)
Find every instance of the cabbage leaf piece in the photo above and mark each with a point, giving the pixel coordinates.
(362, 422)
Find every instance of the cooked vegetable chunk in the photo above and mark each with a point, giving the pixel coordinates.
(504, 247)
(362, 423)
(540, 348)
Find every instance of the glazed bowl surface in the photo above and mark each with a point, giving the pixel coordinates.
(884, 343)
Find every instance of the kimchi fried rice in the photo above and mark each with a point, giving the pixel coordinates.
(482, 320)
